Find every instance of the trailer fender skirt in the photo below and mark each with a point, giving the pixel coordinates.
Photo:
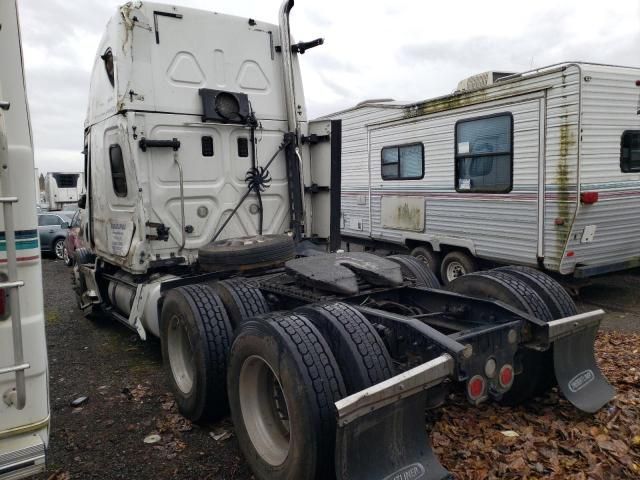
(577, 372)
(381, 432)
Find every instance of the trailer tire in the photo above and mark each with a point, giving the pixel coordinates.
(416, 270)
(511, 290)
(195, 334)
(430, 258)
(283, 383)
(456, 264)
(241, 299)
(246, 252)
(554, 295)
(361, 354)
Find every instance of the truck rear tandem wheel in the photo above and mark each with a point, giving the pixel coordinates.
(334, 383)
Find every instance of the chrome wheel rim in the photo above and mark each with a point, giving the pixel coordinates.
(181, 355)
(59, 248)
(264, 410)
(455, 270)
(65, 255)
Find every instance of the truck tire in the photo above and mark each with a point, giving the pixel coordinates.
(456, 264)
(83, 256)
(283, 383)
(416, 270)
(427, 256)
(361, 354)
(246, 252)
(195, 334)
(68, 259)
(511, 290)
(241, 299)
(560, 303)
(554, 295)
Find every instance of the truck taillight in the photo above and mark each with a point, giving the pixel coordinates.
(476, 387)
(589, 197)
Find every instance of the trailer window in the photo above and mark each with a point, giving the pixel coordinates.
(403, 162)
(484, 154)
(118, 176)
(630, 151)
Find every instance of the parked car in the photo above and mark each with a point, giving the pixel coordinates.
(73, 240)
(53, 228)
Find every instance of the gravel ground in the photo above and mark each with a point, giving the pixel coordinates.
(128, 399)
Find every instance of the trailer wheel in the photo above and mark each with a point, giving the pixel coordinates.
(430, 258)
(511, 290)
(241, 299)
(416, 270)
(361, 354)
(456, 264)
(283, 383)
(554, 295)
(195, 334)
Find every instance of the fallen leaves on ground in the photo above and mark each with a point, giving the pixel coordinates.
(554, 440)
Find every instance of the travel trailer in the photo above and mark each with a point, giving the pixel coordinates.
(24, 397)
(212, 205)
(62, 190)
(540, 168)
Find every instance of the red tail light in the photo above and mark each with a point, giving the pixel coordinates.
(589, 197)
(476, 387)
(506, 376)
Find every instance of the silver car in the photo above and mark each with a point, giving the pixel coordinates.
(53, 228)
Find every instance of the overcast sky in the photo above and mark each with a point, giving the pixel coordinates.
(403, 49)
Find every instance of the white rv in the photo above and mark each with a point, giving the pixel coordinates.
(63, 189)
(209, 201)
(24, 400)
(540, 168)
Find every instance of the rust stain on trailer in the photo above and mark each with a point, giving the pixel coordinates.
(446, 103)
(567, 141)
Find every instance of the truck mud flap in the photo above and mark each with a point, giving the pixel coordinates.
(381, 432)
(577, 372)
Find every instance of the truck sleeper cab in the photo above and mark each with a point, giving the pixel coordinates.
(212, 209)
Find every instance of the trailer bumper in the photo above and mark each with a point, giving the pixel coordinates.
(381, 434)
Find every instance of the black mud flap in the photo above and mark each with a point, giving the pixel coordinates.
(381, 431)
(577, 372)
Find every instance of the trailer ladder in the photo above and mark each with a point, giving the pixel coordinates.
(12, 285)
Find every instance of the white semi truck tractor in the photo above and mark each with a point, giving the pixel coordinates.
(24, 397)
(213, 210)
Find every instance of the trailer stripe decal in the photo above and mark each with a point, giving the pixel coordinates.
(20, 244)
(22, 234)
(22, 259)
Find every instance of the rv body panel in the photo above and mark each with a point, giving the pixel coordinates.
(24, 430)
(567, 126)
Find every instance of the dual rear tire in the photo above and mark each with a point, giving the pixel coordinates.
(279, 374)
(538, 295)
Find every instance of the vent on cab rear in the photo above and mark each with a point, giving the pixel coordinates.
(207, 146)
